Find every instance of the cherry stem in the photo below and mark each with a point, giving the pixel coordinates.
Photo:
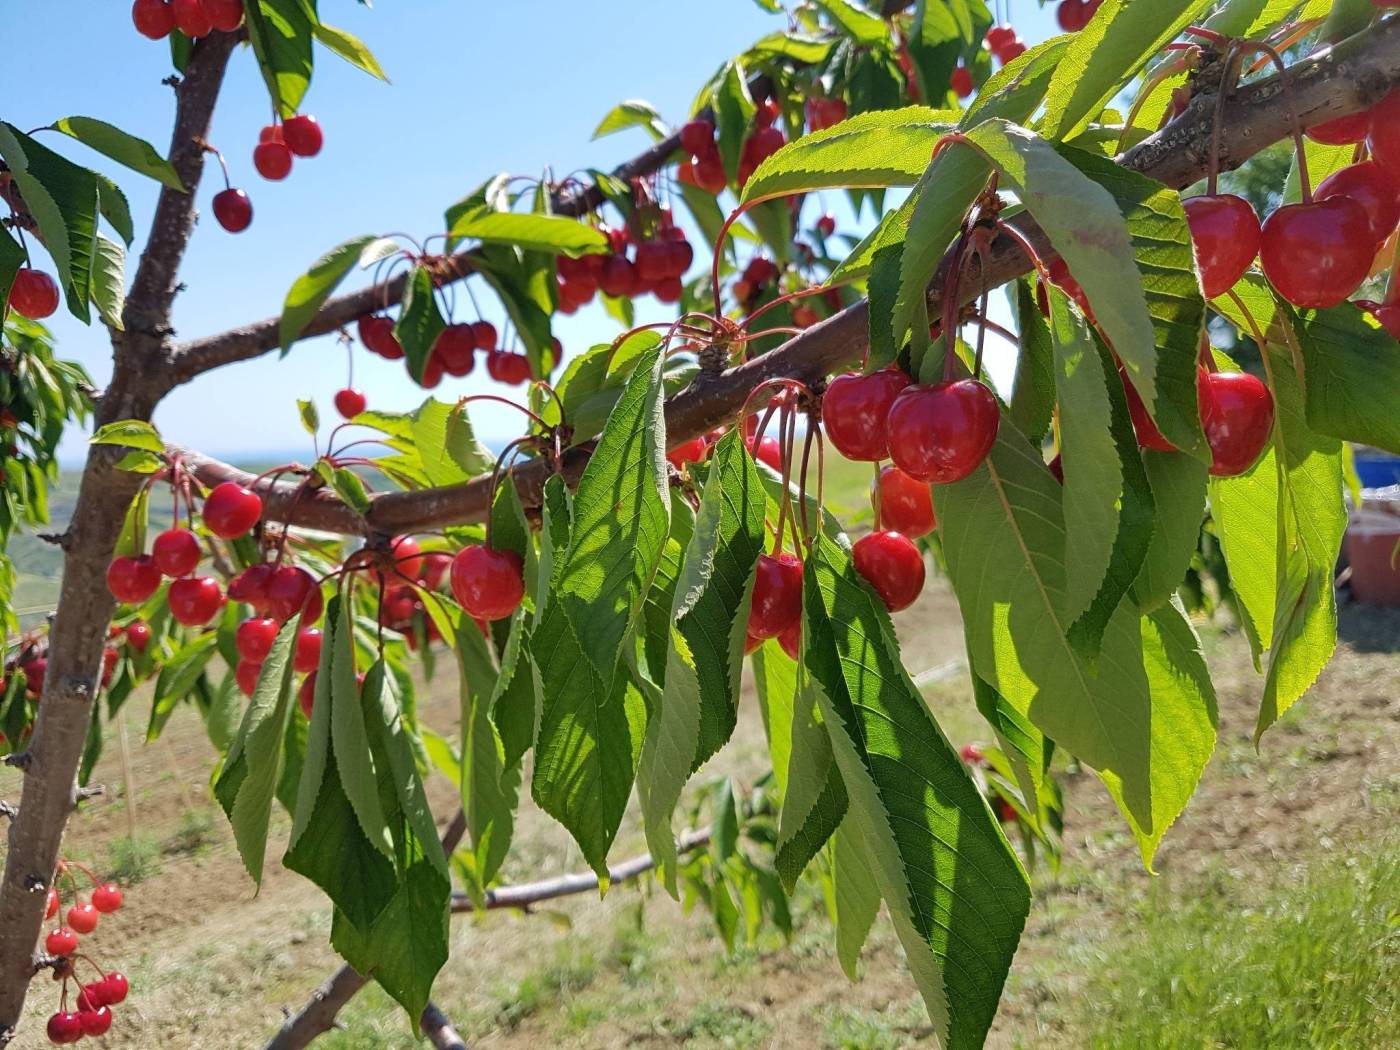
(1205, 356)
(777, 381)
(1228, 78)
(470, 398)
(787, 297)
(719, 247)
(1177, 64)
(876, 494)
(222, 164)
(503, 467)
(1296, 126)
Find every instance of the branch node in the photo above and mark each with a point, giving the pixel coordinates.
(20, 760)
(36, 884)
(90, 791)
(58, 539)
(172, 81)
(8, 809)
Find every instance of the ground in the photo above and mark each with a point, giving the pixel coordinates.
(1273, 919)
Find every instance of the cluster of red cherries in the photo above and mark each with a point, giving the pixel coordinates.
(657, 265)
(93, 1016)
(1074, 15)
(157, 19)
(705, 168)
(453, 354)
(278, 144)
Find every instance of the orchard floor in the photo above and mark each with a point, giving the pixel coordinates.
(214, 964)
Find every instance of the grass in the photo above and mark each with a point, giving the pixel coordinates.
(132, 860)
(197, 829)
(1312, 960)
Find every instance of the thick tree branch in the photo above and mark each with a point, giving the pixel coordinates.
(1334, 82)
(80, 626)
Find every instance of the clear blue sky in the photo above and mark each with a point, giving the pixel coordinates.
(477, 89)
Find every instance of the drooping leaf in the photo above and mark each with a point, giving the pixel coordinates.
(281, 32)
(855, 895)
(593, 717)
(490, 783)
(733, 108)
(112, 205)
(109, 281)
(632, 113)
(1352, 367)
(137, 154)
(1016, 90)
(1033, 392)
(546, 233)
(1179, 498)
(955, 890)
(815, 800)
(420, 321)
(11, 259)
(1027, 749)
(310, 291)
(178, 673)
(349, 47)
(856, 20)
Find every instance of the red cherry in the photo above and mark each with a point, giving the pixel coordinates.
(668, 290)
(83, 918)
(971, 754)
(194, 600)
(506, 367)
(306, 695)
(153, 19)
(804, 316)
(892, 564)
(791, 638)
(1224, 237)
(942, 433)
(34, 671)
(109, 665)
(65, 1027)
(246, 674)
(138, 636)
(308, 651)
(95, 1022)
(455, 347)
(692, 451)
(485, 335)
(697, 136)
(826, 224)
(115, 987)
(254, 638)
(619, 278)
(999, 36)
(751, 643)
(250, 586)
(855, 409)
(961, 81)
(767, 451)
(350, 402)
(230, 510)
(434, 570)
(191, 18)
(407, 556)
(1317, 254)
(377, 334)
(34, 294)
(777, 595)
(767, 113)
(273, 160)
(233, 210)
(1072, 15)
(61, 941)
(51, 906)
(1237, 413)
(653, 261)
(1148, 436)
(1372, 187)
(488, 583)
(1057, 467)
(303, 135)
(293, 590)
(133, 580)
(107, 897)
(903, 504)
(271, 133)
(1383, 134)
(1006, 812)
(176, 552)
(432, 373)
(1342, 131)
(226, 15)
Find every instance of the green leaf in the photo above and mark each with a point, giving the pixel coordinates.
(133, 433)
(109, 281)
(1016, 90)
(350, 489)
(955, 890)
(310, 418)
(1179, 497)
(632, 113)
(310, 291)
(141, 462)
(709, 613)
(62, 198)
(351, 48)
(490, 784)
(1033, 392)
(180, 670)
(800, 47)
(1068, 192)
(524, 282)
(593, 717)
(883, 148)
(137, 154)
(281, 34)
(733, 108)
(1146, 731)
(420, 321)
(1027, 749)
(1107, 499)
(885, 251)
(1352, 366)
(250, 772)
(350, 739)
(544, 233)
(1117, 42)
(857, 21)
(112, 206)
(11, 259)
(855, 896)
(815, 800)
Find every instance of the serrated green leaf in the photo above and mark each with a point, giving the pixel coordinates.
(490, 783)
(800, 47)
(178, 673)
(1033, 392)
(1026, 748)
(545, 233)
(886, 254)
(11, 259)
(593, 718)
(733, 109)
(1120, 39)
(700, 699)
(1179, 497)
(133, 433)
(420, 321)
(855, 895)
(955, 890)
(349, 47)
(112, 205)
(1003, 532)
(137, 154)
(632, 113)
(109, 281)
(815, 800)
(281, 33)
(1107, 499)
(141, 462)
(884, 148)
(310, 291)
(1352, 366)
(888, 236)
(1016, 90)
(856, 20)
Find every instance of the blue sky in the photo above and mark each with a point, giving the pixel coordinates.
(477, 89)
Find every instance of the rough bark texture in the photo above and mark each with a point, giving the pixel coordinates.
(80, 627)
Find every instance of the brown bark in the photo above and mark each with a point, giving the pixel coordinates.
(80, 626)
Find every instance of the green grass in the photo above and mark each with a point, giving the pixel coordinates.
(133, 860)
(1311, 960)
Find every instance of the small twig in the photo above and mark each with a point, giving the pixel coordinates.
(20, 760)
(8, 809)
(90, 791)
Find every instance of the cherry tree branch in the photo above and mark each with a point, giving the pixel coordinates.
(318, 1015)
(84, 609)
(1334, 82)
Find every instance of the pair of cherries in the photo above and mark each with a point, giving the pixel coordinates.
(278, 144)
(705, 167)
(1237, 415)
(935, 434)
(254, 638)
(157, 19)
